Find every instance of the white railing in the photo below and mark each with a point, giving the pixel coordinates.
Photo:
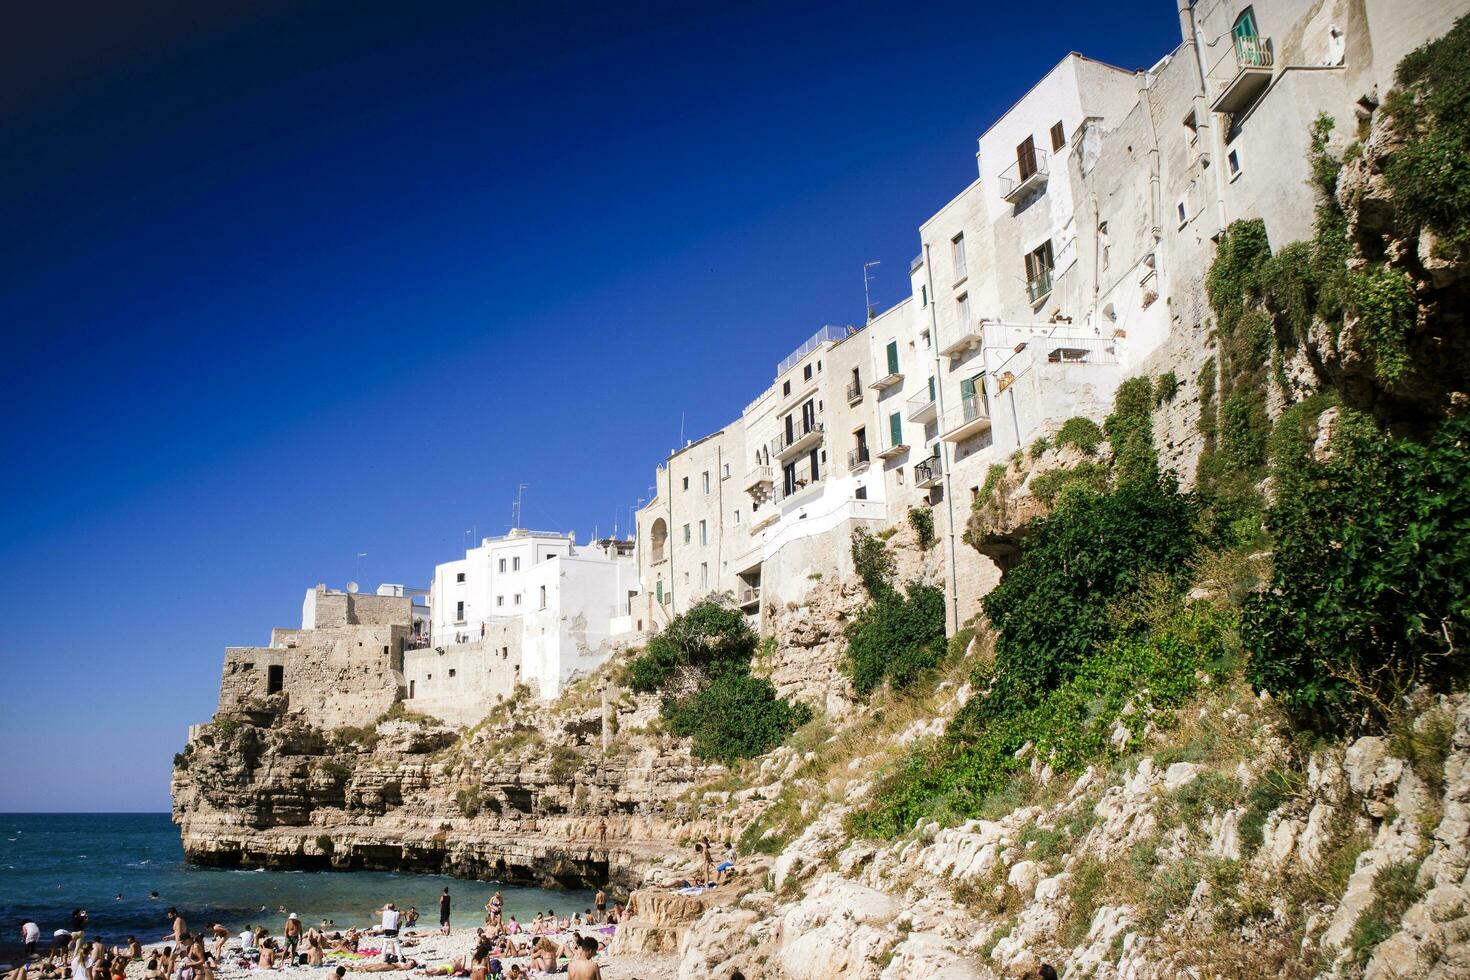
(1013, 178)
(919, 402)
(822, 336)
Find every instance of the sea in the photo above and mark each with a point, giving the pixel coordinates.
(112, 864)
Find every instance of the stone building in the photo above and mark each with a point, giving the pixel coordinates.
(344, 666)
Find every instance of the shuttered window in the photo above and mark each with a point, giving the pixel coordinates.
(895, 429)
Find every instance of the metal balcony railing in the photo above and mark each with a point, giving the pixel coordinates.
(1024, 176)
(920, 405)
(822, 336)
(854, 392)
(1039, 288)
(1242, 73)
(927, 472)
(799, 432)
(858, 457)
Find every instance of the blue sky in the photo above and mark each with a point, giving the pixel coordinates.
(285, 282)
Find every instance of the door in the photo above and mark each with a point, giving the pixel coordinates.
(1247, 40)
(816, 473)
(895, 430)
(808, 417)
(893, 357)
(789, 479)
(1026, 158)
(790, 429)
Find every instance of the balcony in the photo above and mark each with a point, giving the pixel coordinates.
(1242, 74)
(971, 335)
(897, 449)
(800, 479)
(750, 595)
(858, 459)
(887, 381)
(928, 473)
(921, 408)
(758, 479)
(974, 418)
(1038, 289)
(854, 392)
(1016, 182)
(803, 436)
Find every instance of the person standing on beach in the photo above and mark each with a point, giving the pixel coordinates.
(30, 935)
(292, 933)
(180, 928)
(390, 931)
(601, 902)
(444, 913)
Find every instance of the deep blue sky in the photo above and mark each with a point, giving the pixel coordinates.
(284, 282)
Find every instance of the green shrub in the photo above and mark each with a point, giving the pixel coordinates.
(1047, 485)
(1040, 446)
(1430, 112)
(895, 637)
(1395, 889)
(1130, 430)
(1383, 300)
(702, 661)
(735, 716)
(468, 802)
(1080, 432)
(334, 769)
(1207, 422)
(871, 560)
(922, 521)
(1290, 443)
(226, 727)
(1166, 386)
(1371, 573)
(565, 762)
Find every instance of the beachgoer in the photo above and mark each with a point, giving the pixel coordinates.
(602, 830)
(292, 933)
(582, 967)
(600, 902)
(314, 952)
(391, 918)
(30, 935)
(180, 928)
(135, 948)
(247, 939)
(385, 967)
(444, 912)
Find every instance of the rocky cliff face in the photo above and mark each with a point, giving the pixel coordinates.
(525, 796)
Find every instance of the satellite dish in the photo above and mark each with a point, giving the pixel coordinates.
(352, 587)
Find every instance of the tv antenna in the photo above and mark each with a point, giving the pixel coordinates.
(515, 515)
(867, 293)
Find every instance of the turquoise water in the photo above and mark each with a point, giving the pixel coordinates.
(110, 863)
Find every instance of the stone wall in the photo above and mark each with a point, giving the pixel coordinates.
(324, 609)
(460, 683)
(329, 677)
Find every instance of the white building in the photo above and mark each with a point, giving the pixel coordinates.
(529, 607)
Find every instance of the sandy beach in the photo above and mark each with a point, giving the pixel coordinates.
(430, 949)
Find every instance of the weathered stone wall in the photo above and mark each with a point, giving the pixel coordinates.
(460, 683)
(331, 609)
(330, 677)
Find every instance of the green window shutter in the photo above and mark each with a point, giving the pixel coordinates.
(893, 357)
(660, 590)
(1245, 25)
(967, 388)
(931, 388)
(895, 430)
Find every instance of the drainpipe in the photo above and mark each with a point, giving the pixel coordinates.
(1190, 32)
(944, 460)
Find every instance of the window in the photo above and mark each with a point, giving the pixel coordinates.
(703, 533)
(895, 429)
(659, 590)
(893, 357)
(786, 387)
(725, 473)
(861, 493)
(1191, 125)
(502, 564)
(1183, 214)
(737, 515)
(451, 671)
(957, 252)
(500, 600)
(459, 612)
(969, 388)
(275, 679)
(459, 577)
(1058, 136)
(706, 481)
(515, 564)
(819, 367)
(410, 687)
(923, 295)
(1232, 163)
(1026, 159)
(518, 598)
(1038, 271)
(806, 373)
(686, 483)
(1104, 244)
(704, 574)
(543, 597)
(963, 304)
(686, 533)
